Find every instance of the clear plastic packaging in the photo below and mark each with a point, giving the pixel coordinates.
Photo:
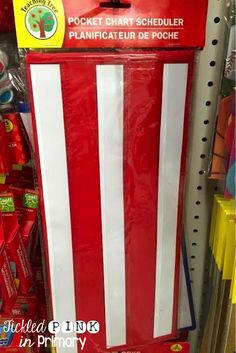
(110, 137)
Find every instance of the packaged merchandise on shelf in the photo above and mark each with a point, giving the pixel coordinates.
(108, 137)
(26, 202)
(14, 242)
(223, 159)
(8, 289)
(6, 91)
(22, 288)
(22, 177)
(17, 233)
(17, 149)
(5, 165)
(223, 164)
(98, 153)
(20, 281)
(13, 138)
(219, 332)
(6, 16)
(230, 64)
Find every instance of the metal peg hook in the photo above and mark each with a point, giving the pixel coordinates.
(116, 4)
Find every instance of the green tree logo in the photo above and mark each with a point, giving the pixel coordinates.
(41, 22)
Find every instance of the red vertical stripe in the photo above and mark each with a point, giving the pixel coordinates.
(143, 88)
(81, 130)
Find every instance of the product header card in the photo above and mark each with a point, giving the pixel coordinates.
(110, 23)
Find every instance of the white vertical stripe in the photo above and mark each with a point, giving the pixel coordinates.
(171, 136)
(110, 120)
(46, 83)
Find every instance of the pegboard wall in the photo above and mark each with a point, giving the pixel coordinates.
(199, 189)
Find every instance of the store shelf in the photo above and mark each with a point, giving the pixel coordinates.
(199, 189)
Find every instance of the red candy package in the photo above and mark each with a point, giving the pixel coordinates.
(7, 284)
(14, 243)
(5, 165)
(17, 146)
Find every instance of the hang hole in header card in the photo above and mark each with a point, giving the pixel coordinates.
(116, 4)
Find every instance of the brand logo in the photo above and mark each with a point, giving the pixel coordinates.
(8, 125)
(176, 348)
(77, 327)
(41, 22)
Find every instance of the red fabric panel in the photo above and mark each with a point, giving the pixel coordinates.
(81, 131)
(143, 92)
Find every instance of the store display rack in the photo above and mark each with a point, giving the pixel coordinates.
(199, 189)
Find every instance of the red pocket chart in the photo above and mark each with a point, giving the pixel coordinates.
(110, 132)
